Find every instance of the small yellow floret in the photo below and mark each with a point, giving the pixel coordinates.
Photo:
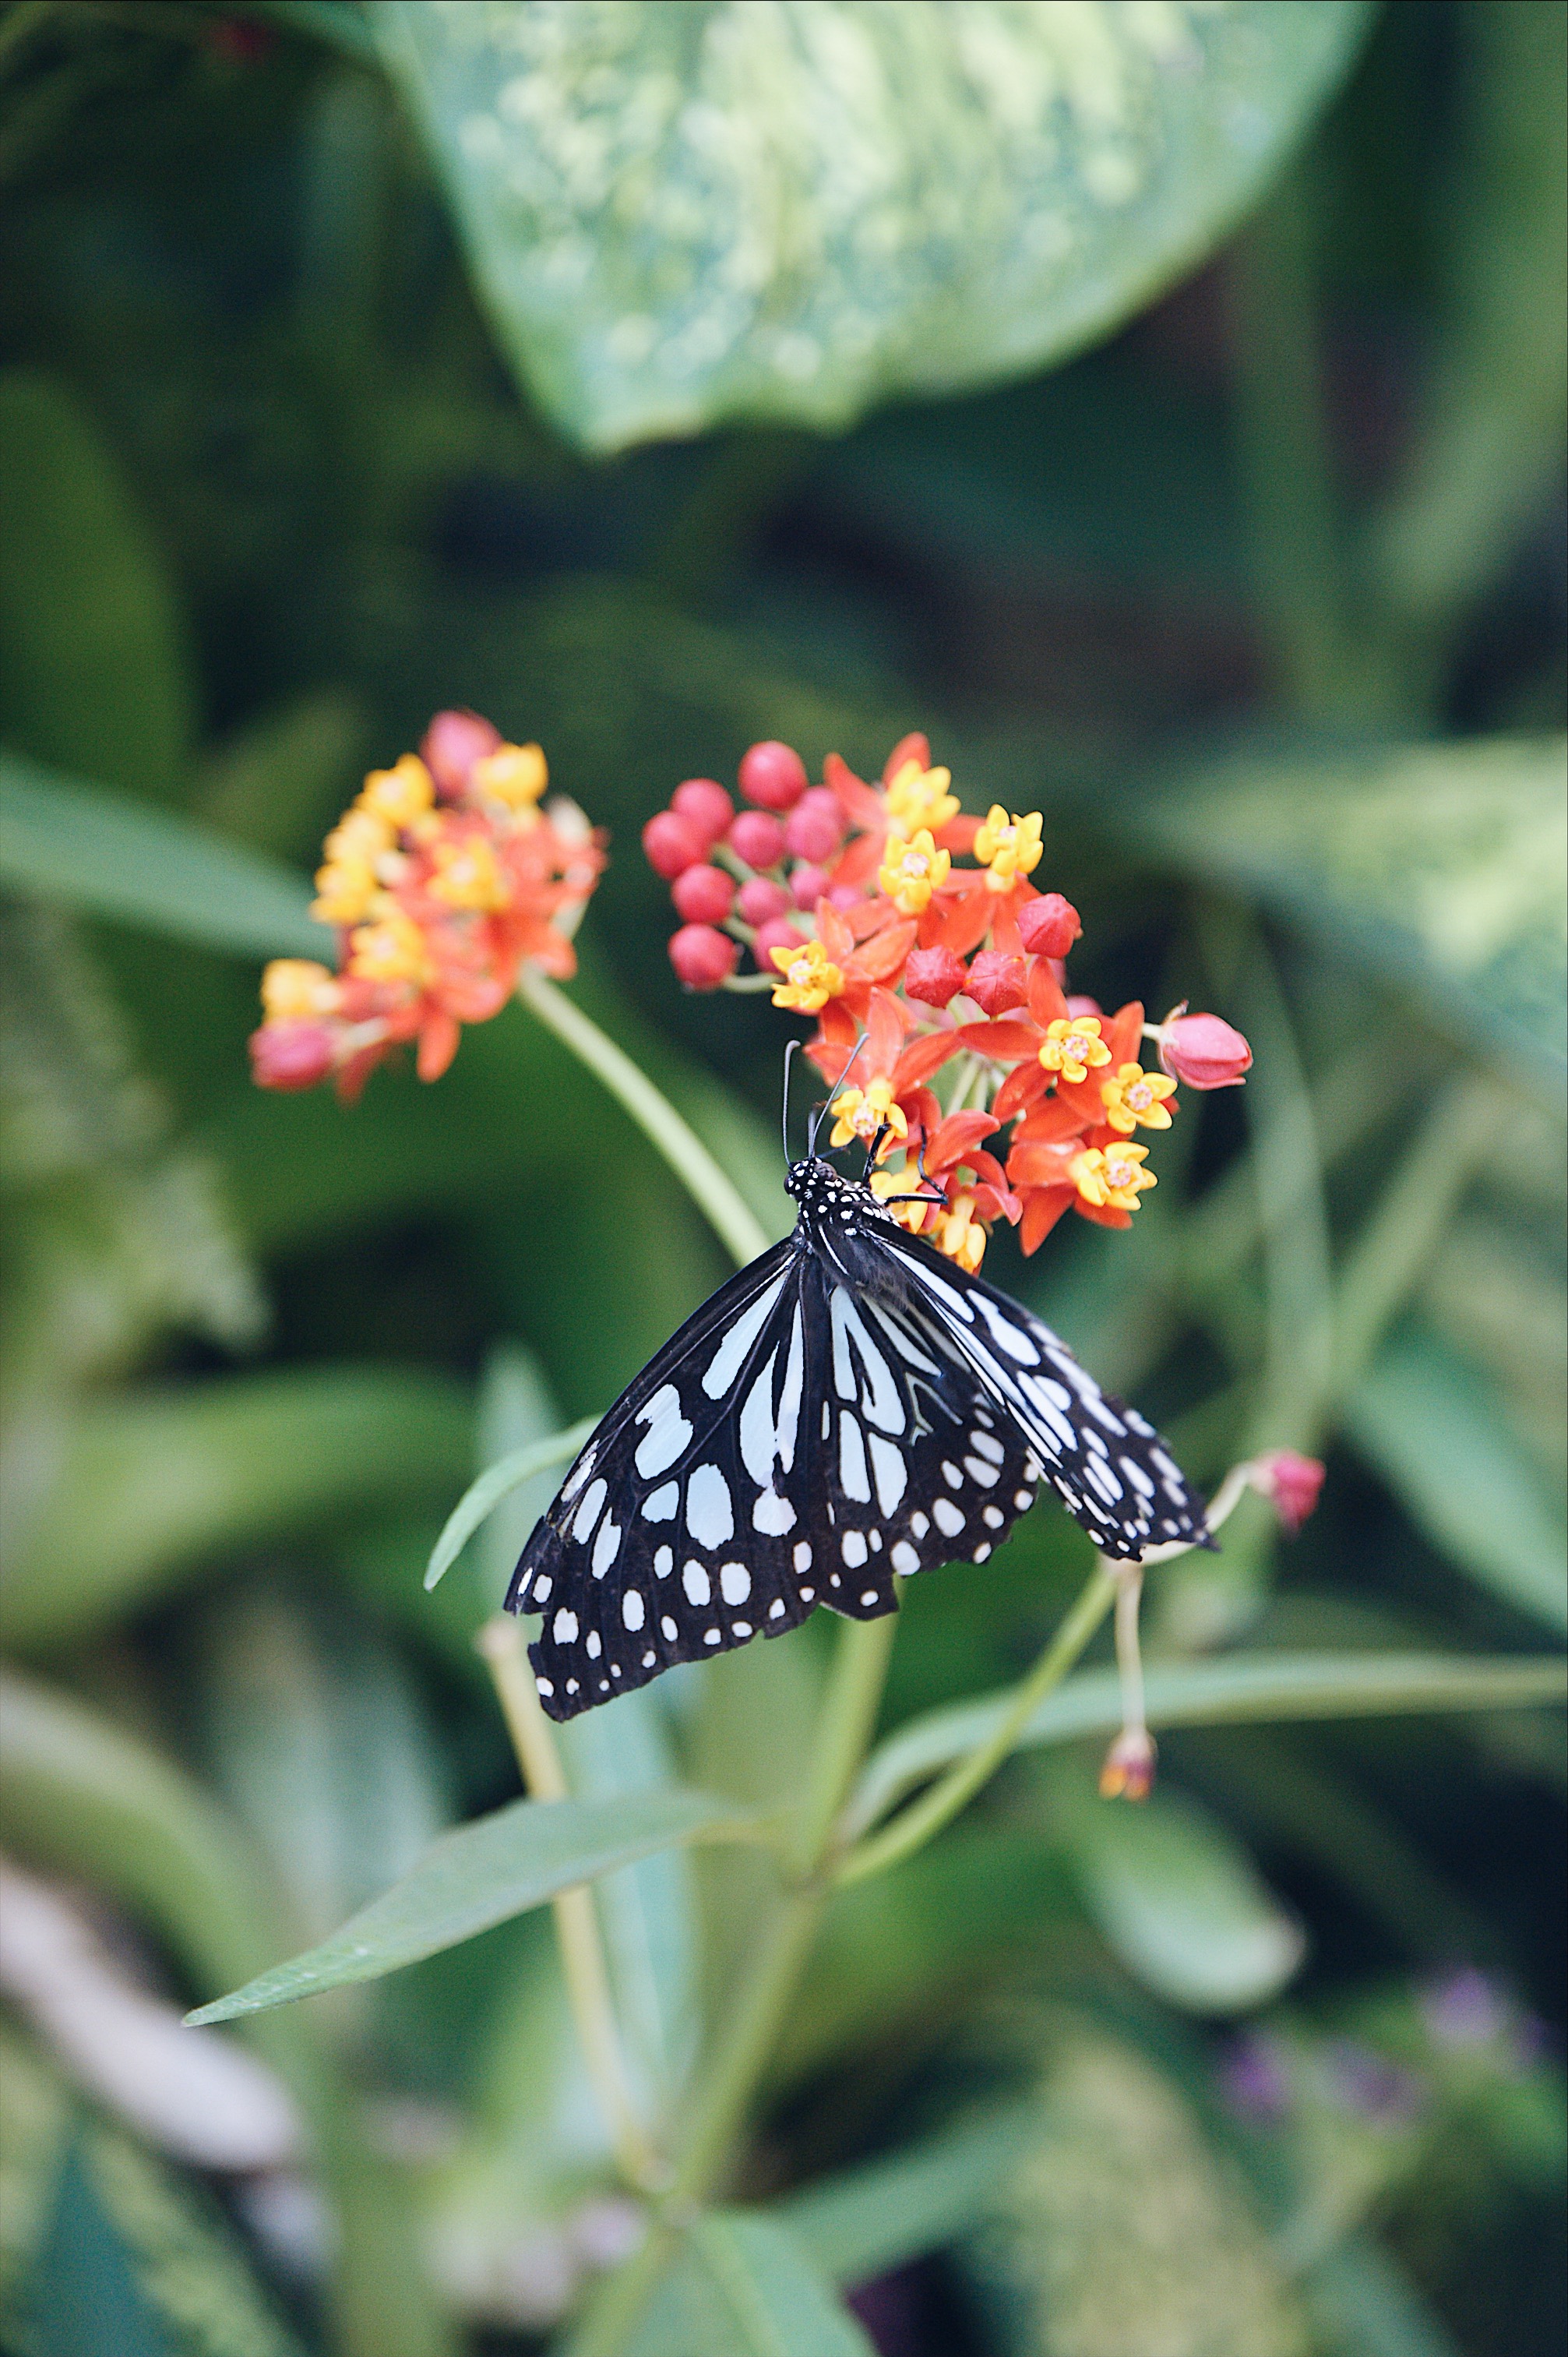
(863, 1116)
(915, 1209)
(515, 774)
(910, 872)
(810, 978)
(1007, 847)
(1135, 1099)
(359, 835)
(468, 876)
(957, 1234)
(399, 794)
(344, 891)
(917, 797)
(1112, 1175)
(1072, 1045)
(391, 950)
(295, 987)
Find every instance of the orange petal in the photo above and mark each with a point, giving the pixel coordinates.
(1004, 1041)
(1023, 1084)
(913, 747)
(1041, 1212)
(921, 1058)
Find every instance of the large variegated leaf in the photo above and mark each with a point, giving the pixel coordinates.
(685, 210)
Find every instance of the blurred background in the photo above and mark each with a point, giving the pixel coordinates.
(1234, 543)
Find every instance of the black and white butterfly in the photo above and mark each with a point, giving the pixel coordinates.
(851, 1407)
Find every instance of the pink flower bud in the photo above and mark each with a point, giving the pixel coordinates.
(672, 844)
(773, 775)
(1084, 1006)
(933, 976)
(814, 828)
(808, 884)
(1203, 1050)
(703, 957)
(702, 894)
(705, 802)
(453, 743)
(996, 980)
(756, 839)
(778, 933)
(1049, 926)
(1290, 1484)
(290, 1055)
(1129, 1770)
(761, 898)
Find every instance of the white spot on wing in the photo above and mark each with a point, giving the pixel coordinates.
(632, 1609)
(587, 1513)
(854, 1477)
(606, 1547)
(949, 1521)
(757, 1441)
(854, 1549)
(667, 1434)
(664, 1561)
(903, 1558)
(790, 1396)
(891, 1474)
(661, 1505)
(1012, 1339)
(879, 1401)
(772, 1515)
(694, 1580)
(734, 1583)
(564, 1629)
(710, 1514)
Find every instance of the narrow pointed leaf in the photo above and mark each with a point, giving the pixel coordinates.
(481, 1874)
(744, 2287)
(1218, 1693)
(508, 1473)
(858, 2224)
(107, 854)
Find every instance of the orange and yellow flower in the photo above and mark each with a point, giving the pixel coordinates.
(810, 978)
(910, 872)
(1134, 1099)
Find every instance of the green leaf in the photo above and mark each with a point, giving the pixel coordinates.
(483, 1496)
(106, 855)
(481, 1874)
(147, 1489)
(1180, 1902)
(1438, 866)
(743, 2286)
(1433, 1427)
(867, 2220)
(702, 209)
(95, 669)
(1244, 1686)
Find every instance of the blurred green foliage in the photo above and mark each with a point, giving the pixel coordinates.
(1261, 604)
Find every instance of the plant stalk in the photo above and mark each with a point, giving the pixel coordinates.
(732, 1219)
(501, 1642)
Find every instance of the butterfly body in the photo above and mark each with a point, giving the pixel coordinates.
(849, 1409)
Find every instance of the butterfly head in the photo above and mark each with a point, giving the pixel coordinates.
(816, 1185)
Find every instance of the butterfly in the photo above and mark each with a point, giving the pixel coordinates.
(851, 1409)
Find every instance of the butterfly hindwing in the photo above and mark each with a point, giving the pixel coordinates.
(1104, 1461)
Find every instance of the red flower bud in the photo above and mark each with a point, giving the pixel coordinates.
(933, 976)
(808, 884)
(814, 828)
(672, 844)
(778, 933)
(703, 957)
(761, 898)
(453, 743)
(702, 894)
(290, 1055)
(1049, 926)
(756, 839)
(996, 980)
(1290, 1484)
(1203, 1050)
(705, 802)
(773, 775)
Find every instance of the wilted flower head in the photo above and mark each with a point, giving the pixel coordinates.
(444, 878)
(899, 923)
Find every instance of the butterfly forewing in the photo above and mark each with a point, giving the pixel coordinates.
(851, 1407)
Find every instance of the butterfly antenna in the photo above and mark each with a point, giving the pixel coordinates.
(790, 1048)
(818, 1111)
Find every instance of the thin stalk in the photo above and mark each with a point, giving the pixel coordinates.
(748, 2037)
(732, 1219)
(927, 1816)
(577, 1923)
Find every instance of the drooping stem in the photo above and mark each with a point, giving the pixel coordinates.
(912, 1829)
(732, 1219)
(576, 1924)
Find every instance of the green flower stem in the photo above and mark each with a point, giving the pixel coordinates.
(576, 1923)
(740, 2056)
(927, 1816)
(730, 1217)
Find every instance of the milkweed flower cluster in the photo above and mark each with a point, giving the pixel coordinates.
(891, 918)
(446, 875)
